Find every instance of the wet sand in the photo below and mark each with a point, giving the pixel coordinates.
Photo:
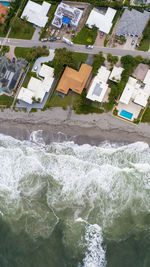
(92, 128)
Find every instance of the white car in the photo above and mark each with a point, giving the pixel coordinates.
(35, 68)
(89, 46)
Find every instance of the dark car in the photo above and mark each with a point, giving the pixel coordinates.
(52, 39)
(13, 60)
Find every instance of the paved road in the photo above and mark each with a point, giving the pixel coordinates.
(76, 48)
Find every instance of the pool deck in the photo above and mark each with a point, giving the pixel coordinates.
(131, 107)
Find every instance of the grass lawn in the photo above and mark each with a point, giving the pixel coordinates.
(58, 101)
(22, 51)
(78, 58)
(22, 30)
(86, 36)
(6, 100)
(145, 42)
(146, 116)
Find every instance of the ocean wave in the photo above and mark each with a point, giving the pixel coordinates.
(106, 185)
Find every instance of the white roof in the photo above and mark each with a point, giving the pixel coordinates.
(136, 91)
(36, 13)
(99, 86)
(36, 87)
(102, 21)
(147, 77)
(116, 74)
(127, 93)
(141, 98)
(103, 74)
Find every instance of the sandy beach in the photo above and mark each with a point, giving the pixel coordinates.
(92, 128)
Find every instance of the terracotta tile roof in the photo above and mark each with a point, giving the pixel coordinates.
(3, 10)
(74, 80)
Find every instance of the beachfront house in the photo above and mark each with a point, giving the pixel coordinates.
(74, 80)
(134, 97)
(99, 88)
(38, 87)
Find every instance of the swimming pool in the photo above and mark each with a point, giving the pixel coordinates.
(0, 91)
(5, 3)
(126, 114)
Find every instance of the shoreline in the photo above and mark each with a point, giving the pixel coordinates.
(91, 129)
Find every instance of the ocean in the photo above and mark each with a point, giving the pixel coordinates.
(69, 205)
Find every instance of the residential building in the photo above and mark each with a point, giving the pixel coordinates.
(115, 75)
(134, 97)
(75, 80)
(10, 74)
(38, 87)
(102, 21)
(36, 13)
(66, 15)
(99, 85)
(132, 23)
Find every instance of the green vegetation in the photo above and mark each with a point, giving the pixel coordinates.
(64, 57)
(129, 64)
(82, 105)
(146, 116)
(58, 101)
(6, 100)
(86, 36)
(31, 54)
(5, 49)
(21, 29)
(112, 59)
(145, 42)
(98, 61)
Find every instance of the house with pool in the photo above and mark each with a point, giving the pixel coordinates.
(134, 98)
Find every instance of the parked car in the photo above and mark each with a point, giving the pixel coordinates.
(53, 32)
(13, 60)
(44, 40)
(89, 46)
(52, 39)
(35, 68)
(133, 42)
(137, 45)
(58, 38)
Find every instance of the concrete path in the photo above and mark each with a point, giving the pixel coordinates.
(89, 60)
(36, 34)
(41, 60)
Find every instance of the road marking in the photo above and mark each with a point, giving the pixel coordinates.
(13, 42)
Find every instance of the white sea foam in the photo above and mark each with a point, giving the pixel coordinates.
(95, 254)
(102, 185)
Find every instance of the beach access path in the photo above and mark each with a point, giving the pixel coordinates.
(95, 126)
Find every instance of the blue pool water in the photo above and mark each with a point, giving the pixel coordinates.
(126, 114)
(5, 3)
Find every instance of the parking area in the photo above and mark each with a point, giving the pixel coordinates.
(130, 43)
(100, 39)
(37, 65)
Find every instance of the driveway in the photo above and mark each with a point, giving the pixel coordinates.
(36, 34)
(41, 60)
(128, 45)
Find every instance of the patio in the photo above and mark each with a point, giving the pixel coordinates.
(131, 107)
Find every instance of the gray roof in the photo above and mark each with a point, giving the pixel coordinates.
(132, 22)
(9, 73)
(97, 89)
